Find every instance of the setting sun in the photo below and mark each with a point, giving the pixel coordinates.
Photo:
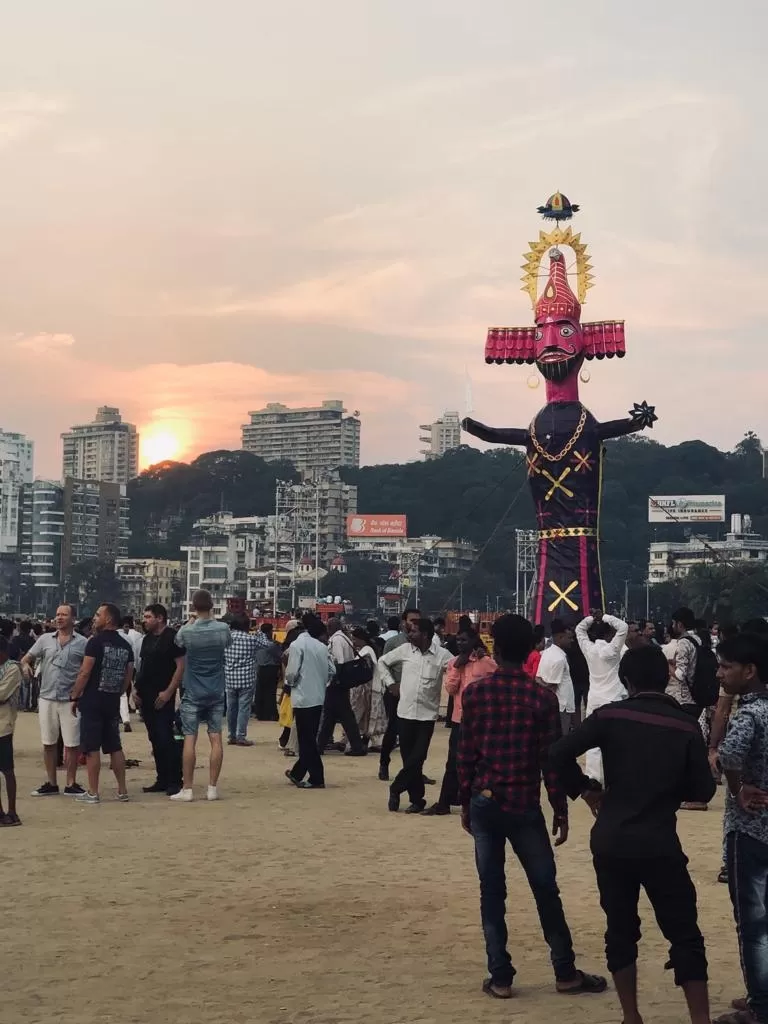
(158, 446)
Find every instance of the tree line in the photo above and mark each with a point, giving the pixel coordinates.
(483, 497)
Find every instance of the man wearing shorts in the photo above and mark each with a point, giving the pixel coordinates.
(205, 639)
(105, 675)
(61, 656)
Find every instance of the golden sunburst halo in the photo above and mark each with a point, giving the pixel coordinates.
(533, 258)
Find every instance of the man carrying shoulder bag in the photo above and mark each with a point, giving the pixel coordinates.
(337, 709)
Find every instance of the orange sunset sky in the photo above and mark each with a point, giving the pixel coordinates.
(205, 207)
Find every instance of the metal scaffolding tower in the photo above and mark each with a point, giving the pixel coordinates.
(526, 548)
(296, 533)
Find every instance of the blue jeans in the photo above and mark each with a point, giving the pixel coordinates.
(527, 832)
(239, 711)
(748, 882)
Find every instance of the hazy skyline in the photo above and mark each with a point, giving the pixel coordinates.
(209, 207)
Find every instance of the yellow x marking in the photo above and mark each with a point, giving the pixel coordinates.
(562, 595)
(557, 483)
(532, 467)
(582, 462)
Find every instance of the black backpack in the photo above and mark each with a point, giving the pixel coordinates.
(705, 689)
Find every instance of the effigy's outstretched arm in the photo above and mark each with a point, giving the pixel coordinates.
(641, 415)
(496, 435)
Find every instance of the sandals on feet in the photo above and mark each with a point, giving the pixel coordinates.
(588, 983)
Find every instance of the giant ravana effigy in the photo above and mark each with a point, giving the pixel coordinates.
(564, 442)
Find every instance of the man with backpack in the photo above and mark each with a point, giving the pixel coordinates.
(337, 709)
(693, 675)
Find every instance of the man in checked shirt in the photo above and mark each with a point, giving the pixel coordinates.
(509, 722)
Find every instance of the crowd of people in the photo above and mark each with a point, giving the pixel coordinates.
(660, 719)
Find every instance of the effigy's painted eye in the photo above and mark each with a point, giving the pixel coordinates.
(566, 331)
(539, 335)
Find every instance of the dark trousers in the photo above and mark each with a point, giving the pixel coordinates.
(390, 734)
(747, 860)
(672, 895)
(165, 748)
(580, 697)
(449, 790)
(309, 763)
(339, 711)
(527, 832)
(415, 738)
(265, 701)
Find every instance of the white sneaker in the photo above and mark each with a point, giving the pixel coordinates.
(213, 793)
(184, 795)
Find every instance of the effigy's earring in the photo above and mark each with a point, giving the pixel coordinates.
(533, 381)
(585, 376)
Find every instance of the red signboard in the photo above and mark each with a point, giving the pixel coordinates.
(377, 526)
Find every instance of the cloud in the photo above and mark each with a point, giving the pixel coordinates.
(21, 113)
(438, 89)
(43, 344)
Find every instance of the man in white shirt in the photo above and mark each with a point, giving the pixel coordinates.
(554, 673)
(601, 639)
(393, 628)
(135, 639)
(309, 670)
(422, 662)
(337, 708)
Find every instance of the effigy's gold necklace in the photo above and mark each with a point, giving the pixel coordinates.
(561, 455)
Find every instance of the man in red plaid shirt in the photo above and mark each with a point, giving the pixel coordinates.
(509, 723)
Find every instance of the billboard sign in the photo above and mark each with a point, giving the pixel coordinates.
(687, 508)
(376, 526)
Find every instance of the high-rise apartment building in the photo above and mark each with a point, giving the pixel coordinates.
(441, 436)
(106, 449)
(42, 532)
(96, 522)
(337, 501)
(315, 440)
(16, 456)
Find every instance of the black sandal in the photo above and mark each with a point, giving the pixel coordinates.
(588, 983)
(487, 988)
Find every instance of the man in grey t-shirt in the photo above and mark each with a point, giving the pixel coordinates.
(205, 641)
(61, 656)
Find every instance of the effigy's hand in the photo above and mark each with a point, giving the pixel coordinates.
(643, 415)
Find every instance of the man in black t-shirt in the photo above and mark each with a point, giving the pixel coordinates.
(105, 674)
(160, 674)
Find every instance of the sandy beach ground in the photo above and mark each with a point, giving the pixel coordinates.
(276, 905)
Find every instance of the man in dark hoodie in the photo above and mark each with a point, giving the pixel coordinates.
(654, 758)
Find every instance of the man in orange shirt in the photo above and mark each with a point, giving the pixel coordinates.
(471, 663)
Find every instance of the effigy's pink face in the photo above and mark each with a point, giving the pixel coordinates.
(559, 349)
